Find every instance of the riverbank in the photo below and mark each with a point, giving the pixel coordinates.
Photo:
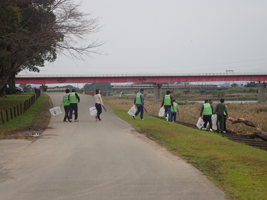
(189, 111)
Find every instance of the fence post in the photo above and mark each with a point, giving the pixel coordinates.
(15, 112)
(18, 110)
(11, 113)
(7, 117)
(3, 120)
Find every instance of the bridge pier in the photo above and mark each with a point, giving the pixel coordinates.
(261, 92)
(157, 87)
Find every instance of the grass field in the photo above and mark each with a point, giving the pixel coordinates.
(189, 112)
(237, 169)
(37, 116)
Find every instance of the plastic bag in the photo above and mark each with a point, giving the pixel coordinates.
(214, 122)
(200, 123)
(132, 110)
(161, 112)
(93, 111)
(55, 111)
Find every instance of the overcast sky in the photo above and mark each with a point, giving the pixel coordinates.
(173, 36)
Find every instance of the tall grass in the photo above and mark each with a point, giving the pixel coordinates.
(189, 112)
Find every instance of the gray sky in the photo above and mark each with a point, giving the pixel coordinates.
(179, 36)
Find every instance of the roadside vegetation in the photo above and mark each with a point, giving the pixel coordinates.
(239, 170)
(36, 118)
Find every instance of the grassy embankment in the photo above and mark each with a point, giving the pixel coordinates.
(189, 112)
(37, 116)
(237, 169)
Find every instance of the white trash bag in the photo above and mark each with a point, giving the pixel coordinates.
(200, 123)
(55, 111)
(214, 122)
(93, 111)
(161, 112)
(132, 110)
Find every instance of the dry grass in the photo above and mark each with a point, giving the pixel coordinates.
(189, 113)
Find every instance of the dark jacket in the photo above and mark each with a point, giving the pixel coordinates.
(220, 108)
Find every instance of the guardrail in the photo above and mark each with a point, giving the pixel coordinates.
(20, 108)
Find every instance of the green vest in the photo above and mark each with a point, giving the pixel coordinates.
(73, 98)
(174, 107)
(224, 110)
(138, 98)
(207, 109)
(66, 101)
(167, 100)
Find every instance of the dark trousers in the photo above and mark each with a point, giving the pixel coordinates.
(74, 107)
(206, 119)
(174, 116)
(99, 110)
(220, 118)
(140, 109)
(67, 110)
(224, 127)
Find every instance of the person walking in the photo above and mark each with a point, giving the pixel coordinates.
(206, 111)
(139, 101)
(174, 110)
(66, 104)
(74, 99)
(167, 102)
(220, 110)
(98, 104)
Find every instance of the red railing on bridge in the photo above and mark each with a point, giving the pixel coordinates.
(142, 78)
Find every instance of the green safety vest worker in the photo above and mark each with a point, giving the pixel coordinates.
(224, 110)
(207, 109)
(73, 98)
(66, 101)
(174, 107)
(167, 100)
(138, 98)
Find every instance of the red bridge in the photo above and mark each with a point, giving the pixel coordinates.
(157, 79)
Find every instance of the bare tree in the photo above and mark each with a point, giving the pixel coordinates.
(34, 31)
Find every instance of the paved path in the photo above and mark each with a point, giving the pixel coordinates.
(96, 160)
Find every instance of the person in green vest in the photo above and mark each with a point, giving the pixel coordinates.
(207, 110)
(220, 110)
(74, 99)
(66, 104)
(167, 102)
(139, 101)
(174, 110)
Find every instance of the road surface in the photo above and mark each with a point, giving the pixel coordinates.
(96, 160)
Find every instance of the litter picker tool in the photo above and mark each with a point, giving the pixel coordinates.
(145, 110)
(105, 109)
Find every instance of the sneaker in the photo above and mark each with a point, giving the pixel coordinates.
(166, 118)
(100, 120)
(70, 120)
(95, 118)
(64, 120)
(211, 130)
(204, 129)
(134, 116)
(76, 120)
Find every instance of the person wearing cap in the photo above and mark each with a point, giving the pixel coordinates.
(206, 111)
(74, 99)
(66, 104)
(221, 112)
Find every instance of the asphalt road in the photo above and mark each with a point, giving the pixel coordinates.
(96, 160)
